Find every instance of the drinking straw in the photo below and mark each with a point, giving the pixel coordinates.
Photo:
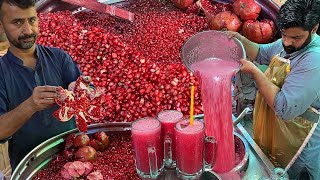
(191, 105)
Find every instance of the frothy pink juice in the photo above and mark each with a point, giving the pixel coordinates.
(146, 132)
(189, 146)
(215, 78)
(168, 119)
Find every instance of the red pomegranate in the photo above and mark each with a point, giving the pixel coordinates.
(97, 145)
(86, 153)
(246, 9)
(259, 31)
(182, 4)
(226, 21)
(81, 140)
(102, 137)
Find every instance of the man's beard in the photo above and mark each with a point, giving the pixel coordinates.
(21, 44)
(291, 49)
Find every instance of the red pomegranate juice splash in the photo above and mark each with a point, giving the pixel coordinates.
(215, 79)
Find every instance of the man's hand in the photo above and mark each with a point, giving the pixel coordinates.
(266, 88)
(248, 66)
(234, 34)
(43, 97)
(250, 47)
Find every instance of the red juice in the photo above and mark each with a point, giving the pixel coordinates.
(168, 119)
(146, 132)
(189, 146)
(215, 79)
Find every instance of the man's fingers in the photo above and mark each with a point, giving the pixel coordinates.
(47, 95)
(46, 101)
(230, 34)
(47, 88)
(243, 60)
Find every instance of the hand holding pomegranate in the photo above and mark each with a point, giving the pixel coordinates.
(42, 97)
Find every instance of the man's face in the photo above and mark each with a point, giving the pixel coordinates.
(20, 25)
(294, 39)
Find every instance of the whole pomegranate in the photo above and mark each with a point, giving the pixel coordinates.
(259, 31)
(86, 153)
(97, 145)
(102, 137)
(182, 4)
(81, 140)
(246, 9)
(226, 20)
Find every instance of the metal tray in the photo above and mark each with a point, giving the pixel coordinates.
(40, 156)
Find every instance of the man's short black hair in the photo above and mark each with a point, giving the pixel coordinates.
(299, 13)
(23, 4)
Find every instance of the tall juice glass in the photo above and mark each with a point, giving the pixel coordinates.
(189, 148)
(148, 148)
(168, 119)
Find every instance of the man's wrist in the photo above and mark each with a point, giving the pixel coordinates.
(256, 72)
(29, 106)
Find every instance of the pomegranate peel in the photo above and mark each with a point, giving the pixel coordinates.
(96, 175)
(76, 169)
(88, 167)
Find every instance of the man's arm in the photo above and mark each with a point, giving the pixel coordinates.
(266, 88)
(12, 121)
(299, 91)
(42, 97)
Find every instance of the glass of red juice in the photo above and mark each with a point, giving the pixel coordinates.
(168, 119)
(190, 148)
(148, 147)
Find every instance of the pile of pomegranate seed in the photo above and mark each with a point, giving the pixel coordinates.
(138, 63)
(116, 162)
